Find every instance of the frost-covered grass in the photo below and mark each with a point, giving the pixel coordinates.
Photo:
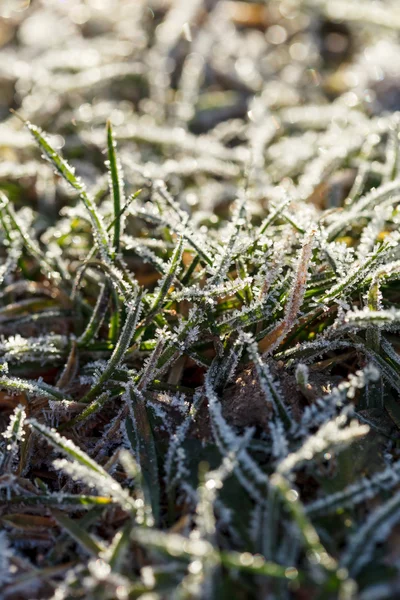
(200, 300)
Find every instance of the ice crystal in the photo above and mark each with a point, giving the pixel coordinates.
(333, 434)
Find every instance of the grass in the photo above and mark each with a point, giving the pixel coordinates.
(199, 303)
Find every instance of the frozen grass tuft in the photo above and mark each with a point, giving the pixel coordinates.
(199, 300)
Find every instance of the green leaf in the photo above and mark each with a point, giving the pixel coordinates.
(77, 533)
(119, 350)
(72, 501)
(116, 184)
(68, 173)
(36, 388)
(66, 447)
(140, 436)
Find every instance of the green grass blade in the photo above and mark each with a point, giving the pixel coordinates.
(116, 184)
(68, 173)
(77, 533)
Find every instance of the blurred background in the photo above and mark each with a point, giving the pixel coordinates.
(300, 73)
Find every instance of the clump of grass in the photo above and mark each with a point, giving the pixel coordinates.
(199, 303)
